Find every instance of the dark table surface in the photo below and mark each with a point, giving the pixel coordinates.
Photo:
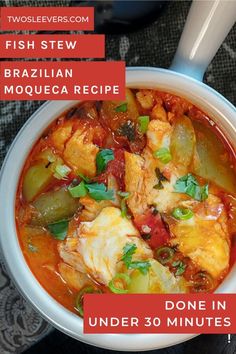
(154, 45)
(204, 344)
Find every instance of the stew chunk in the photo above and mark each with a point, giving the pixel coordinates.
(80, 153)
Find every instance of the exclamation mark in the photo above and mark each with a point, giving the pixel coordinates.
(229, 338)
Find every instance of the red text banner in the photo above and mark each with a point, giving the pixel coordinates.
(47, 18)
(150, 313)
(70, 80)
(52, 46)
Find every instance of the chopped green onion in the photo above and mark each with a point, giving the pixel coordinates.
(119, 283)
(122, 107)
(202, 282)
(143, 123)
(47, 155)
(124, 209)
(164, 254)
(123, 206)
(163, 154)
(51, 158)
(123, 194)
(182, 213)
(102, 159)
(189, 185)
(59, 229)
(61, 171)
(180, 267)
(78, 191)
(79, 302)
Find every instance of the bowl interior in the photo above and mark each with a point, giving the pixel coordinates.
(215, 105)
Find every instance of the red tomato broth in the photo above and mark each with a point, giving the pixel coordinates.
(44, 262)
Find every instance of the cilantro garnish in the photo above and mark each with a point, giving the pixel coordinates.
(189, 185)
(97, 191)
(180, 267)
(102, 159)
(129, 250)
(59, 229)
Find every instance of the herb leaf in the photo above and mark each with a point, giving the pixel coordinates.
(127, 129)
(163, 154)
(78, 191)
(129, 250)
(123, 206)
(59, 229)
(83, 177)
(204, 192)
(159, 185)
(102, 159)
(98, 191)
(122, 107)
(142, 266)
(160, 178)
(159, 175)
(189, 185)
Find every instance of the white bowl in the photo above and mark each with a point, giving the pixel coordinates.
(215, 105)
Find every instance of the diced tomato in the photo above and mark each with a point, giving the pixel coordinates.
(177, 105)
(196, 114)
(158, 234)
(99, 135)
(115, 167)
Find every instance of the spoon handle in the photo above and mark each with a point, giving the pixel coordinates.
(207, 25)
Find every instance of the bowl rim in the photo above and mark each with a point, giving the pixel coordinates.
(17, 266)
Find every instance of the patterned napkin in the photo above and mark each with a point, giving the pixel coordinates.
(155, 45)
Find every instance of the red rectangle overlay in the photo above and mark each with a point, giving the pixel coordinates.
(164, 313)
(52, 46)
(71, 80)
(47, 18)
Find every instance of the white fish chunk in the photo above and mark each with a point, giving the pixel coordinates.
(101, 243)
(205, 237)
(80, 153)
(162, 281)
(98, 247)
